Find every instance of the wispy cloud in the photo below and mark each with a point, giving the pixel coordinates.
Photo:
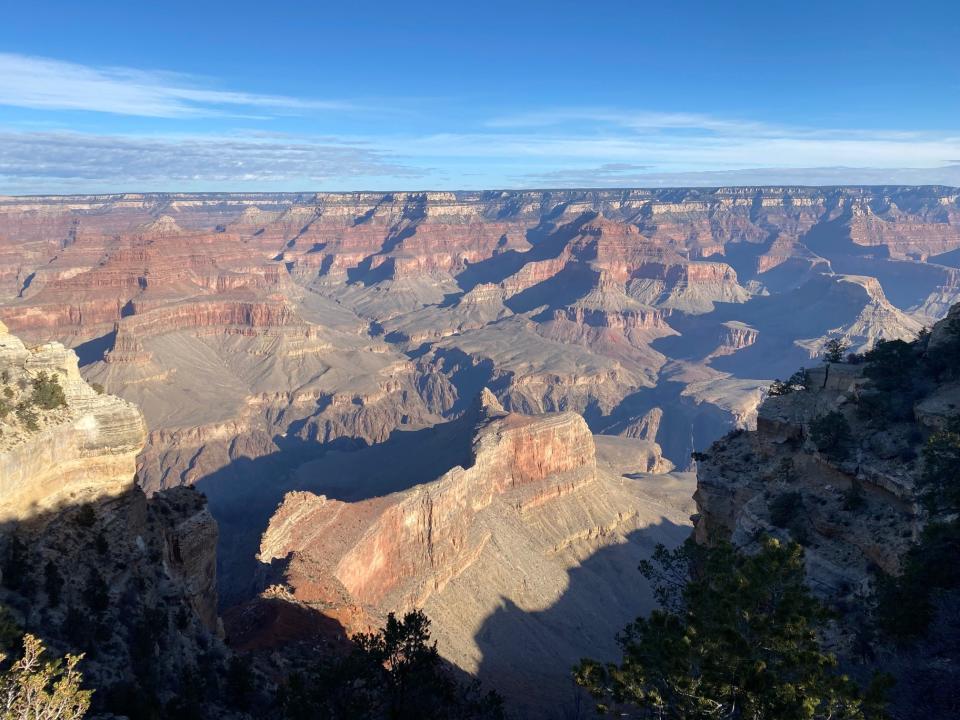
(612, 175)
(639, 120)
(72, 162)
(560, 147)
(701, 151)
(47, 84)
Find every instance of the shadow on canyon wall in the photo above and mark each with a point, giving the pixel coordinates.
(684, 427)
(529, 655)
(547, 242)
(244, 494)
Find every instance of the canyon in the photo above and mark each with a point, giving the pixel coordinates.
(483, 404)
(240, 322)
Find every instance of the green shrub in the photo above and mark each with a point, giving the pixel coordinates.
(86, 516)
(890, 364)
(47, 392)
(831, 434)
(800, 380)
(740, 640)
(96, 592)
(939, 483)
(905, 604)
(16, 564)
(28, 416)
(52, 583)
(834, 349)
(6, 407)
(98, 388)
(854, 497)
(394, 673)
(34, 687)
(11, 634)
(101, 544)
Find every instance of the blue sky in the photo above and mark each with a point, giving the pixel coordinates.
(108, 96)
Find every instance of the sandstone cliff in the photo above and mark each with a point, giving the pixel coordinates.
(168, 288)
(79, 453)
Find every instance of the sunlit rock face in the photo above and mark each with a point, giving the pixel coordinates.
(488, 546)
(79, 453)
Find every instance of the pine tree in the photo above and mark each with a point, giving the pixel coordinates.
(736, 640)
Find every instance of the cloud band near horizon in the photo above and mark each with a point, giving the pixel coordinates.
(432, 149)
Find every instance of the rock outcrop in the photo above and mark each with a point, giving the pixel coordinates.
(529, 505)
(156, 291)
(401, 548)
(79, 453)
(87, 562)
(858, 465)
(744, 476)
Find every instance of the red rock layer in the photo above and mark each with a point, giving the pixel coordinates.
(396, 550)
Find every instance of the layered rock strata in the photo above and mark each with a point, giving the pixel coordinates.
(79, 453)
(529, 506)
(556, 300)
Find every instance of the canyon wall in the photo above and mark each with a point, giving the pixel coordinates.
(307, 315)
(79, 453)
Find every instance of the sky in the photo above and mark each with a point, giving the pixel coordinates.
(103, 96)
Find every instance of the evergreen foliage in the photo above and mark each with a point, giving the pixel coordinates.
(939, 483)
(834, 350)
(28, 416)
(831, 434)
(395, 673)
(36, 689)
(905, 604)
(800, 380)
(737, 640)
(47, 392)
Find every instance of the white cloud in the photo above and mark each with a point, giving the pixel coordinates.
(708, 151)
(75, 162)
(622, 175)
(46, 84)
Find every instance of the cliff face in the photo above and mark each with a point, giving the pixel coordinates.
(87, 563)
(400, 548)
(859, 465)
(852, 502)
(775, 481)
(507, 525)
(80, 453)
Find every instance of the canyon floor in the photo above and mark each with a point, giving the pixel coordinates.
(479, 403)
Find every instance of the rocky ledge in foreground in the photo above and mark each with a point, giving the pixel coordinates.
(859, 462)
(87, 563)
